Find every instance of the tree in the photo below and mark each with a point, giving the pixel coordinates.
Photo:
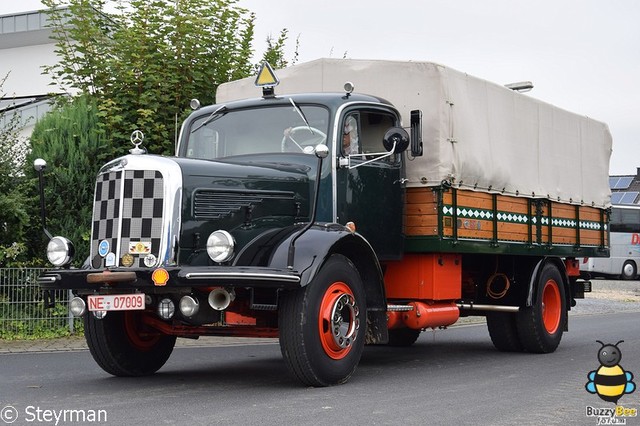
(145, 62)
(13, 215)
(136, 68)
(275, 50)
(69, 139)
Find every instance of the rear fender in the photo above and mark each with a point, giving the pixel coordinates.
(535, 276)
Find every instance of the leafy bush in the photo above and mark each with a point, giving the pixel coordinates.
(13, 215)
(69, 139)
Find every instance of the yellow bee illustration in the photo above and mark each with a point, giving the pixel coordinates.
(610, 381)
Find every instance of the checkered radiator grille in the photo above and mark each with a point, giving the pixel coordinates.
(127, 208)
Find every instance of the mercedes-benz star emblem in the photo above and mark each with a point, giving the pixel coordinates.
(137, 137)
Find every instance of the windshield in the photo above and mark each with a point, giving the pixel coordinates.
(291, 128)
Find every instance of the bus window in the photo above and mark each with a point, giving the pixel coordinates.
(624, 261)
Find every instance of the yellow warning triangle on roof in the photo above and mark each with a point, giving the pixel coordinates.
(266, 76)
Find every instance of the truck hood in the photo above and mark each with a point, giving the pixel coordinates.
(245, 196)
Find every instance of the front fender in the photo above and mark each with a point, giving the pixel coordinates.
(312, 249)
(271, 250)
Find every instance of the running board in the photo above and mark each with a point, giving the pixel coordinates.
(493, 308)
(464, 306)
(399, 308)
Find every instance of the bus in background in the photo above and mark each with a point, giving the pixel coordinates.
(625, 247)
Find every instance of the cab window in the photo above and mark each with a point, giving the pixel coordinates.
(363, 132)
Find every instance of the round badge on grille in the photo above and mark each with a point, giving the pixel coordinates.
(103, 248)
(127, 260)
(150, 260)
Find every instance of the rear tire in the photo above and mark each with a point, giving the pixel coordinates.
(540, 327)
(322, 326)
(403, 336)
(629, 270)
(123, 346)
(504, 331)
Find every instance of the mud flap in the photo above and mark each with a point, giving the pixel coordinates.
(377, 331)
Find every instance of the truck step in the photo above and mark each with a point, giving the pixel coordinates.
(399, 308)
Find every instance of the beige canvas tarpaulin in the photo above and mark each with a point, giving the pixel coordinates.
(477, 135)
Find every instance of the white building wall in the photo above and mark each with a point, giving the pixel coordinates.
(25, 48)
(24, 68)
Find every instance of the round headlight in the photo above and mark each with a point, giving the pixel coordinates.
(189, 306)
(220, 246)
(77, 306)
(60, 251)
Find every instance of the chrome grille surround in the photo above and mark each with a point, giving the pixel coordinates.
(137, 200)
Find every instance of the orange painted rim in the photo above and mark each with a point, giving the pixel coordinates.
(338, 320)
(551, 306)
(142, 341)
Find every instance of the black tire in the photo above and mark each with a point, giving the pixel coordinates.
(629, 270)
(311, 352)
(504, 331)
(122, 346)
(403, 337)
(540, 327)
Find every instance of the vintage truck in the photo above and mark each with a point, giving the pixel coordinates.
(332, 219)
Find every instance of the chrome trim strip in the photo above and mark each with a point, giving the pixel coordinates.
(120, 218)
(48, 279)
(242, 276)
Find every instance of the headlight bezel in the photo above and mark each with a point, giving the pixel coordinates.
(220, 246)
(60, 251)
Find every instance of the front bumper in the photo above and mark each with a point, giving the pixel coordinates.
(124, 279)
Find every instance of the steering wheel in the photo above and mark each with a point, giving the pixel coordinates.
(308, 144)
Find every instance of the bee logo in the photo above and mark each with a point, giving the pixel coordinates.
(610, 381)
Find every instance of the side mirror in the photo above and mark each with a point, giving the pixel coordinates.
(396, 140)
(416, 133)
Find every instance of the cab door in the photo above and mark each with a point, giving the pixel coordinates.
(369, 189)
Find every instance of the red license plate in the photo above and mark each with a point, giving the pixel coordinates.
(116, 302)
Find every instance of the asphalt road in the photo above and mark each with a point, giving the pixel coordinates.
(449, 377)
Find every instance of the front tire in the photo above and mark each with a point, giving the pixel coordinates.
(123, 346)
(322, 326)
(540, 327)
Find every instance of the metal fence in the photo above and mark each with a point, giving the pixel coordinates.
(23, 314)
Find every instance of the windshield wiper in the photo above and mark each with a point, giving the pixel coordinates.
(301, 114)
(210, 118)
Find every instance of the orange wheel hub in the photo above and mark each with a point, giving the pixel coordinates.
(338, 320)
(551, 306)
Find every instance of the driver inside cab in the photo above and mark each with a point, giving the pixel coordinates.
(350, 136)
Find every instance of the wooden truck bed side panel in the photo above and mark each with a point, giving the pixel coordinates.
(447, 213)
